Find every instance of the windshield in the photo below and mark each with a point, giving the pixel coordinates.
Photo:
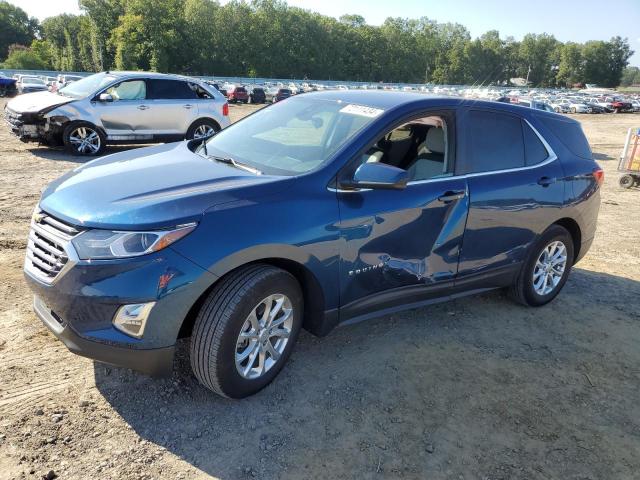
(88, 85)
(291, 137)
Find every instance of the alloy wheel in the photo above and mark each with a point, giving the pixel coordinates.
(203, 131)
(85, 140)
(264, 336)
(549, 268)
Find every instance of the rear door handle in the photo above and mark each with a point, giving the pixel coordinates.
(142, 107)
(450, 196)
(187, 106)
(546, 181)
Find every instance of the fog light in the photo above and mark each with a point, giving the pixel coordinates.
(131, 319)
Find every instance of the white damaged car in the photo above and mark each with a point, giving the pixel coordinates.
(119, 107)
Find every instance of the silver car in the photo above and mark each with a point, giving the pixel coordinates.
(119, 107)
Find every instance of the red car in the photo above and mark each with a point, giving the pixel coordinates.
(238, 94)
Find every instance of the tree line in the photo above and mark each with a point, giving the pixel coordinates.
(268, 38)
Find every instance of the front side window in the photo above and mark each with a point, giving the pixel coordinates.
(495, 142)
(129, 90)
(292, 137)
(418, 146)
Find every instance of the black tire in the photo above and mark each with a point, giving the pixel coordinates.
(72, 131)
(203, 122)
(221, 318)
(522, 291)
(626, 181)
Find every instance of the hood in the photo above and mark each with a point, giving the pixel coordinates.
(148, 188)
(34, 102)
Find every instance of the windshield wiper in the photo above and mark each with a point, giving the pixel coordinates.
(235, 163)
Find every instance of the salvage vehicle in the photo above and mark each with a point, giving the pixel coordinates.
(238, 94)
(118, 107)
(257, 95)
(329, 208)
(27, 84)
(7, 86)
(276, 94)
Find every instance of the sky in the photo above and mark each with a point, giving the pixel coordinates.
(567, 20)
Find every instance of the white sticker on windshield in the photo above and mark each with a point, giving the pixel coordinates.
(362, 110)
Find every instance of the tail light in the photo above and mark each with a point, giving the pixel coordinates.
(225, 109)
(598, 174)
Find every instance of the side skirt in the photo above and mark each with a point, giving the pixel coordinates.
(406, 298)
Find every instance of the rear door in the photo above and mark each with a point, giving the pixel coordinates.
(175, 106)
(516, 185)
(399, 243)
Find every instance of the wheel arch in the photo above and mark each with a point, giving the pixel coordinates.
(314, 299)
(576, 234)
(199, 119)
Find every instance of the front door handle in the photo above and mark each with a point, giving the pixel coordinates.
(187, 106)
(546, 181)
(450, 196)
(142, 107)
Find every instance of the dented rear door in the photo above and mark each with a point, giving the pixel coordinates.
(399, 243)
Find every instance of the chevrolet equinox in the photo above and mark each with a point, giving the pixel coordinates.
(324, 209)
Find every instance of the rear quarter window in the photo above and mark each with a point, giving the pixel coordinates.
(569, 133)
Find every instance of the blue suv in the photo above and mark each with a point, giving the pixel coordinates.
(324, 209)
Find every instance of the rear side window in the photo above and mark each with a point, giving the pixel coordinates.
(496, 142)
(169, 90)
(569, 133)
(534, 150)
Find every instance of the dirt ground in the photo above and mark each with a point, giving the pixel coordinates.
(479, 388)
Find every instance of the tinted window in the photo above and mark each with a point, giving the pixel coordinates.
(496, 142)
(534, 150)
(569, 133)
(240, 89)
(170, 90)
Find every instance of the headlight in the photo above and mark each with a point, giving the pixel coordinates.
(104, 244)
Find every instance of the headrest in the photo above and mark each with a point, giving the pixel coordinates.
(435, 140)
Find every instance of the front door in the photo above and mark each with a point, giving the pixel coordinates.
(398, 243)
(128, 115)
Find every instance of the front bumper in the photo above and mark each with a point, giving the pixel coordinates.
(157, 362)
(79, 305)
(27, 127)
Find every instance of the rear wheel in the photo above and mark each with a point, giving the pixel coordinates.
(202, 128)
(626, 181)
(246, 329)
(546, 268)
(83, 138)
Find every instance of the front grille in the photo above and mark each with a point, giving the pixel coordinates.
(14, 118)
(47, 246)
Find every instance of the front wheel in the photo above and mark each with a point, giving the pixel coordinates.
(246, 329)
(546, 269)
(83, 138)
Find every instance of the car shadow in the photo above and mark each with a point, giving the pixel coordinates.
(371, 385)
(602, 156)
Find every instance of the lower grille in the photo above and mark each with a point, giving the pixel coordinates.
(47, 247)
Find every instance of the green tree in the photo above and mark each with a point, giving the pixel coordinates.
(630, 76)
(23, 58)
(15, 27)
(571, 66)
(539, 59)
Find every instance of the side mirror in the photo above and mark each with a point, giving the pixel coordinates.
(378, 176)
(105, 97)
